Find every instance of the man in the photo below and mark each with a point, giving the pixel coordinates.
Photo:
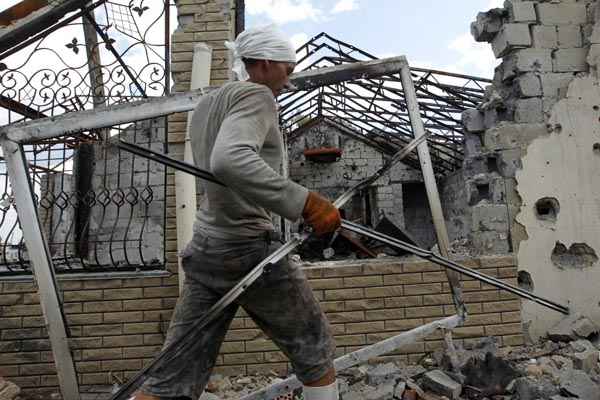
(235, 134)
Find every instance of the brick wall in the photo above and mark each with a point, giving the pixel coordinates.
(118, 325)
(369, 301)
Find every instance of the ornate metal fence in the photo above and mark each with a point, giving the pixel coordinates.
(101, 209)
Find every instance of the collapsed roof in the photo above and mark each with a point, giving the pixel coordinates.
(376, 108)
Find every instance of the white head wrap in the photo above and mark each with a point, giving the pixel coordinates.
(261, 43)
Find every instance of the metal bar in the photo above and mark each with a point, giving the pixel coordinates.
(311, 79)
(41, 262)
(168, 161)
(451, 265)
(177, 347)
(167, 8)
(240, 20)
(433, 194)
(20, 108)
(46, 32)
(360, 356)
(102, 117)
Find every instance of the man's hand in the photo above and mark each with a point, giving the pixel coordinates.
(321, 214)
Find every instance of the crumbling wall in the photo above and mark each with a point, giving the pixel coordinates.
(540, 122)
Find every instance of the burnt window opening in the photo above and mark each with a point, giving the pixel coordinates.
(483, 190)
(492, 164)
(417, 214)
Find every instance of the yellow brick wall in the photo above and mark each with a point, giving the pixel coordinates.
(370, 301)
(118, 325)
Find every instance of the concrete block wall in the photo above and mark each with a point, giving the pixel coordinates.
(136, 227)
(542, 46)
(539, 121)
(118, 325)
(359, 160)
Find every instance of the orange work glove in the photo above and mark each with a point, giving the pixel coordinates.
(321, 214)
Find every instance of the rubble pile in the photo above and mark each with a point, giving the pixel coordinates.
(563, 366)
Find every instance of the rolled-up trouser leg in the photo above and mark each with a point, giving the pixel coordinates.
(281, 302)
(187, 373)
(284, 306)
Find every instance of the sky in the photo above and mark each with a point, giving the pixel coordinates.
(430, 33)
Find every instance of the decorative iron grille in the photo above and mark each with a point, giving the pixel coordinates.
(101, 209)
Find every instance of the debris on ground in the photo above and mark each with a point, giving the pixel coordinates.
(564, 365)
(553, 369)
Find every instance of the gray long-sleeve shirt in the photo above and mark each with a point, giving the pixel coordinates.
(235, 134)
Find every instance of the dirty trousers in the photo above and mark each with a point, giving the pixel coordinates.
(280, 302)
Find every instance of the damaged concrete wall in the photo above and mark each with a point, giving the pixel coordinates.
(359, 160)
(540, 121)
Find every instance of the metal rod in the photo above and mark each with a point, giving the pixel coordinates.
(426, 254)
(41, 262)
(168, 161)
(38, 36)
(115, 53)
(177, 347)
(36, 21)
(451, 265)
(360, 356)
(433, 194)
